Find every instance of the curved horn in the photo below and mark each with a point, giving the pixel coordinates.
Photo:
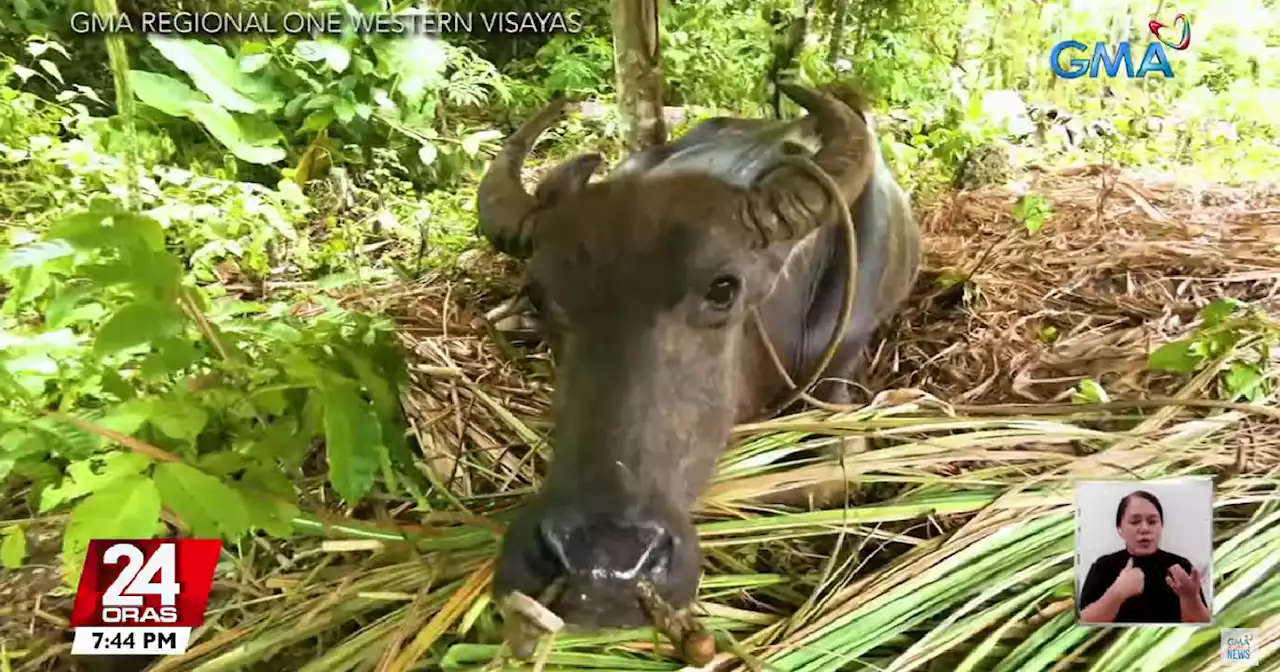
(789, 201)
(505, 210)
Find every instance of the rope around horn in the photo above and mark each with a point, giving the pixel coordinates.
(812, 169)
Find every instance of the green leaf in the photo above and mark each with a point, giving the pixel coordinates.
(427, 153)
(179, 419)
(50, 68)
(352, 436)
(135, 324)
(1244, 381)
(222, 126)
(13, 550)
(171, 356)
(471, 143)
(35, 254)
(338, 59)
(1176, 356)
(317, 121)
(93, 474)
(65, 308)
(128, 417)
(218, 75)
(109, 228)
(254, 62)
(418, 61)
(271, 515)
(164, 92)
(1219, 310)
(209, 506)
(126, 509)
(345, 109)
(1091, 393)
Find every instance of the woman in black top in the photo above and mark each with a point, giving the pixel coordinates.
(1142, 583)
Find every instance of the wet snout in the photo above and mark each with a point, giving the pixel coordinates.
(608, 549)
(601, 561)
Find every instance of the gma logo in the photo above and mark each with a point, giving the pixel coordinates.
(1154, 59)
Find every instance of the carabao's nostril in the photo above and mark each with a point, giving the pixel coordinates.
(659, 547)
(558, 533)
(607, 548)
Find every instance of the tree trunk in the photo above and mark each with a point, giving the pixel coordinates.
(835, 43)
(638, 72)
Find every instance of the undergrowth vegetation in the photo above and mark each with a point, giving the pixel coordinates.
(183, 220)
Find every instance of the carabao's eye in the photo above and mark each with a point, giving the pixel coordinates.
(723, 292)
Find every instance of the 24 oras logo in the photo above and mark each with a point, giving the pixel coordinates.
(1154, 59)
(142, 596)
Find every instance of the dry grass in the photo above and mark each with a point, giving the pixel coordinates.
(1122, 265)
(958, 476)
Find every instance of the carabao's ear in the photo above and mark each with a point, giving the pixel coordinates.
(566, 179)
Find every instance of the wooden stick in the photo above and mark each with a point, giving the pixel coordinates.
(525, 620)
(694, 643)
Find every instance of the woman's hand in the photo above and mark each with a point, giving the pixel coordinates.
(1130, 581)
(1187, 586)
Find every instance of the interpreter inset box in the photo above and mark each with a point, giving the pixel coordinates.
(1144, 552)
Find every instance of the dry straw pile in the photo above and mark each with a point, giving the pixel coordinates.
(1121, 265)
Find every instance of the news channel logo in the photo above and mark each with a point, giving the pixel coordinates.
(1102, 58)
(1240, 647)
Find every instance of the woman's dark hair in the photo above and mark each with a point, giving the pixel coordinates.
(1124, 504)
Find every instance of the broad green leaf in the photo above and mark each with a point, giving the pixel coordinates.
(1219, 310)
(1244, 380)
(35, 254)
(333, 54)
(66, 307)
(179, 419)
(1091, 393)
(352, 436)
(471, 143)
(171, 356)
(209, 506)
(6, 466)
(271, 515)
(30, 283)
(13, 548)
(109, 228)
(158, 272)
(254, 62)
(317, 121)
(224, 127)
(259, 131)
(91, 475)
(164, 92)
(128, 417)
(217, 75)
(427, 153)
(1176, 356)
(418, 61)
(129, 508)
(50, 68)
(345, 109)
(135, 324)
